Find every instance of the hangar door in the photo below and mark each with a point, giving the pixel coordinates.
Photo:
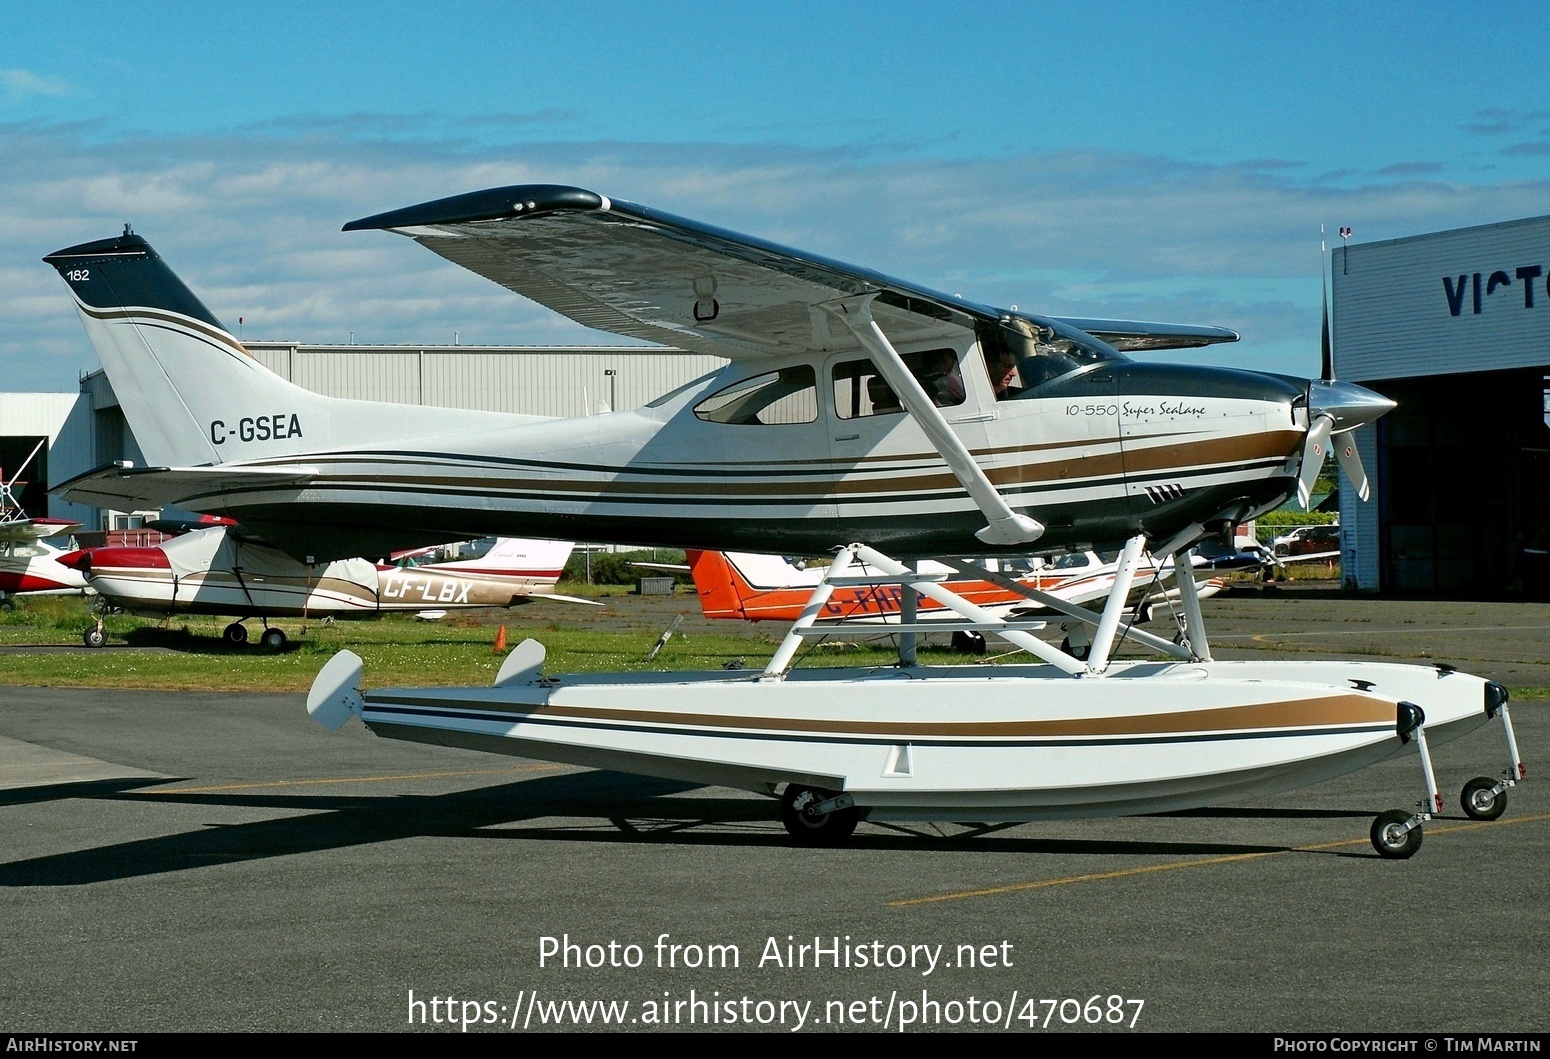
(31, 488)
(1464, 485)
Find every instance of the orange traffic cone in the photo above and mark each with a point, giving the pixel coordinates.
(500, 640)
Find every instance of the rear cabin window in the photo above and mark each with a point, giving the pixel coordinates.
(776, 398)
(860, 391)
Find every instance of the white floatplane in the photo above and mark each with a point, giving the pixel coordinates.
(854, 408)
(218, 568)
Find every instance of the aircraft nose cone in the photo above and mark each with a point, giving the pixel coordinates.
(1346, 403)
(76, 560)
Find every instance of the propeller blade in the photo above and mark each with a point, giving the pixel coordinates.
(1314, 449)
(1327, 354)
(1351, 464)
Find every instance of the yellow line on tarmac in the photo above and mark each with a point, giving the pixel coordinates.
(351, 779)
(1042, 884)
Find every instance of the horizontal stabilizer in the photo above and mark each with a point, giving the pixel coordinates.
(555, 596)
(197, 488)
(32, 529)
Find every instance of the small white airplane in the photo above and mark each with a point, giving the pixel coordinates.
(28, 563)
(858, 412)
(219, 569)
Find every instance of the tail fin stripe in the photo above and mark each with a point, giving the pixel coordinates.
(155, 318)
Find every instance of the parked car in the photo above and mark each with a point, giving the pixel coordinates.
(1307, 540)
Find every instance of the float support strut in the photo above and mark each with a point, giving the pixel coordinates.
(788, 647)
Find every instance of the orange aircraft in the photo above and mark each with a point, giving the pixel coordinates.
(769, 588)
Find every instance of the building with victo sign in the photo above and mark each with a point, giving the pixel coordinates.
(1455, 326)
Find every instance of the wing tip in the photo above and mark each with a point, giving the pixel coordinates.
(1126, 335)
(516, 200)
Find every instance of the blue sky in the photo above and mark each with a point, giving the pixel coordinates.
(1149, 160)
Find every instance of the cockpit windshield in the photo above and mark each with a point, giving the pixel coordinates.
(1023, 353)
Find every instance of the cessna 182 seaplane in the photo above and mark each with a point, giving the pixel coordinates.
(857, 412)
(220, 569)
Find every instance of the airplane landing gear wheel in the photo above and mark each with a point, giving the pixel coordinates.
(274, 639)
(1481, 800)
(808, 828)
(235, 634)
(7, 603)
(1389, 837)
(969, 643)
(96, 636)
(1076, 651)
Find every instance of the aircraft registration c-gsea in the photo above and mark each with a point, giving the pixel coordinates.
(857, 412)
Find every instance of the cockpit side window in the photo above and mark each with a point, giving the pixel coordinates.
(1022, 355)
(776, 398)
(860, 391)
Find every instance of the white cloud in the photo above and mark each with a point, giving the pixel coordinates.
(17, 83)
(252, 224)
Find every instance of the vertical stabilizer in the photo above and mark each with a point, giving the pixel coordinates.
(189, 390)
(721, 595)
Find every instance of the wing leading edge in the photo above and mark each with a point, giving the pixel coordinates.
(642, 273)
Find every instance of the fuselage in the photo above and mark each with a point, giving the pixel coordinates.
(211, 572)
(1108, 451)
(799, 446)
(32, 566)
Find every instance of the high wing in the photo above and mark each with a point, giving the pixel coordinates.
(638, 272)
(1130, 336)
(231, 487)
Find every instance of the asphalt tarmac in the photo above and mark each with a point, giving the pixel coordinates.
(191, 861)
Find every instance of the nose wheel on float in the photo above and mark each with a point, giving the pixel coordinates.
(1396, 834)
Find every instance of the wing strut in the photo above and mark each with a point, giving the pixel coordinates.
(1007, 527)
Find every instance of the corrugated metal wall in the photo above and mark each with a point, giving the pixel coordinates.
(534, 380)
(1359, 522)
(1473, 299)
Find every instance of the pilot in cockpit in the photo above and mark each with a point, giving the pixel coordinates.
(1002, 366)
